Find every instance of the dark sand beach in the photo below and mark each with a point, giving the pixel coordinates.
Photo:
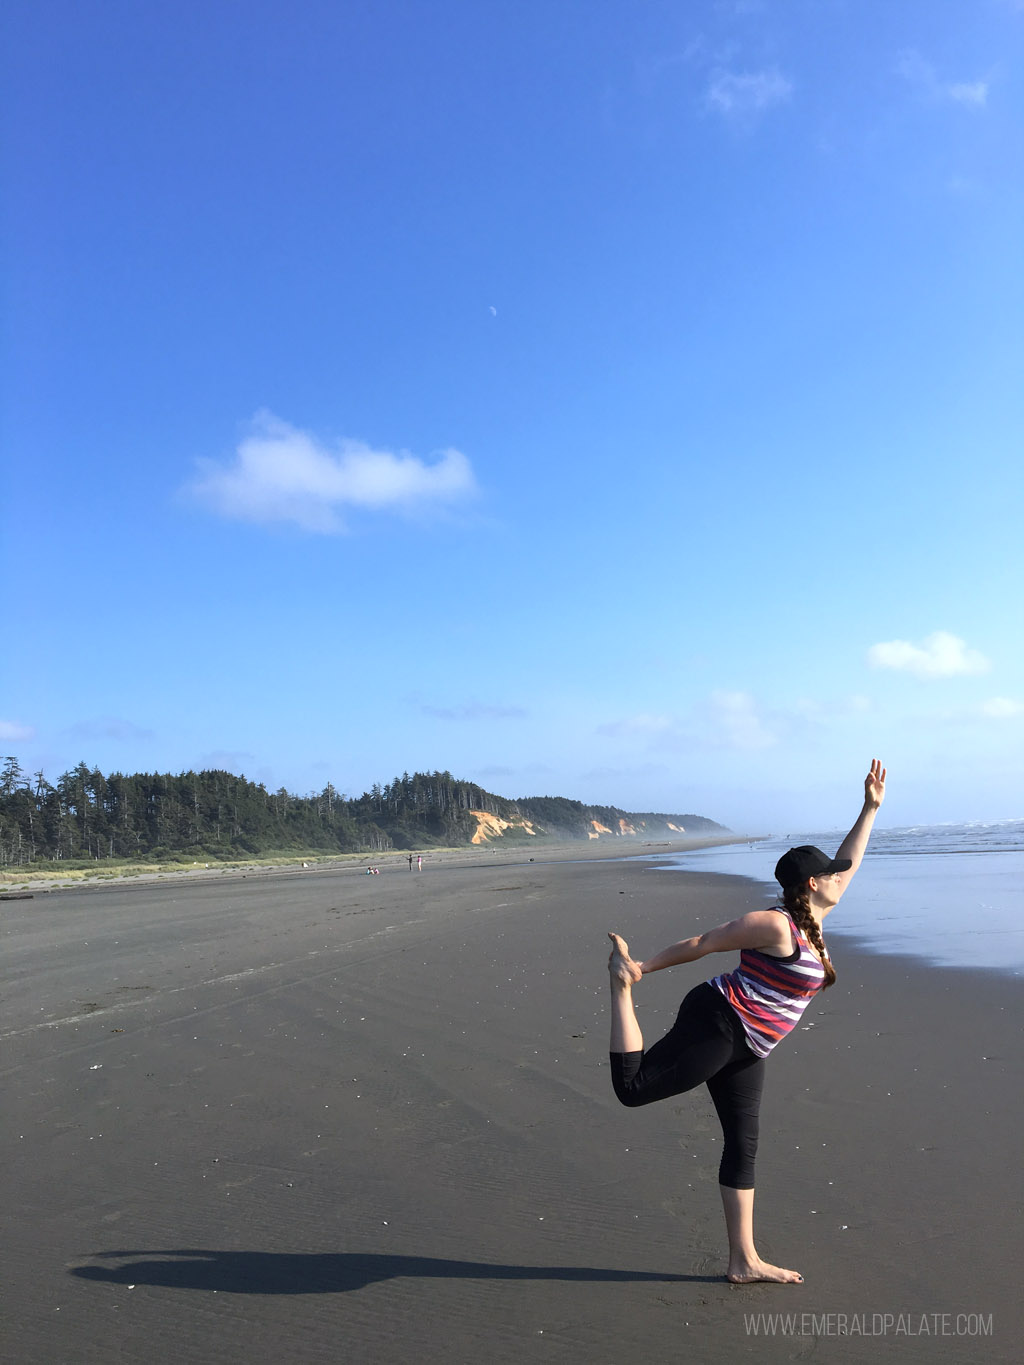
(323, 1116)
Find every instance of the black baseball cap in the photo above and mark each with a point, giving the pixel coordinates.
(806, 861)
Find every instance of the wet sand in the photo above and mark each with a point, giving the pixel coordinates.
(328, 1117)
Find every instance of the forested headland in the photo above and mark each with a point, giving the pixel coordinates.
(218, 815)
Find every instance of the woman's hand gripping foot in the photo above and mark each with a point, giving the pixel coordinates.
(623, 971)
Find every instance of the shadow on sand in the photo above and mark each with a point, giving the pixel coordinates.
(268, 1272)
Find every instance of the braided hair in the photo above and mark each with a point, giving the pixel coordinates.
(797, 901)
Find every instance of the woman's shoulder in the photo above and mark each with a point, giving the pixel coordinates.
(778, 928)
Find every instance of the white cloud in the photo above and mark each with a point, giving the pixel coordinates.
(924, 78)
(742, 94)
(969, 92)
(10, 729)
(1001, 708)
(940, 655)
(280, 473)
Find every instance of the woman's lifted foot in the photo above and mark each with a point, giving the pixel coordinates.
(743, 1271)
(623, 971)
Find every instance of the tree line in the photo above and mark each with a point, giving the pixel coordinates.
(216, 814)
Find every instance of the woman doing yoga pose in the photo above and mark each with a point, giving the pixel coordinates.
(726, 1027)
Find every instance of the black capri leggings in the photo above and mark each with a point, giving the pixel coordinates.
(705, 1044)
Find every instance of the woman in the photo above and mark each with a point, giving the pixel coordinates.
(727, 1026)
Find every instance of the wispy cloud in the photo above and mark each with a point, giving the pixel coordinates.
(940, 655)
(638, 725)
(1001, 708)
(746, 94)
(725, 719)
(921, 74)
(824, 713)
(282, 474)
(736, 718)
(971, 93)
(10, 729)
(474, 710)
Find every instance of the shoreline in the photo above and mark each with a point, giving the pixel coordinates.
(930, 916)
(390, 861)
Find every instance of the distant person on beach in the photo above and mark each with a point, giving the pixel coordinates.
(726, 1027)
(419, 862)
(410, 862)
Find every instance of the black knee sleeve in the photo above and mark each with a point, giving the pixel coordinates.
(624, 1067)
(739, 1151)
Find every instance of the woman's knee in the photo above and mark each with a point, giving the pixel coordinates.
(737, 1170)
(739, 1153)
(630, 1097)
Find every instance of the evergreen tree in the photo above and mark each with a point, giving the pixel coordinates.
(215, 813)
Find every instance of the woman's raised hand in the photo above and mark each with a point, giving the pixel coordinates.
(874, 785)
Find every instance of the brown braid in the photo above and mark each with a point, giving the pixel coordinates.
(797, 901)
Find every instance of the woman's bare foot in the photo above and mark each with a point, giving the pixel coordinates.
(623, 970)
(751, 1272)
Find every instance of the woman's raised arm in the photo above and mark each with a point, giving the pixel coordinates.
(856, 841)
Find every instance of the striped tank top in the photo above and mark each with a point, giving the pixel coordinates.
(769, 993)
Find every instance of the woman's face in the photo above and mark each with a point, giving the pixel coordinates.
(825, 891)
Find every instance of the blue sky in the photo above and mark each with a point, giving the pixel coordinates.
(615, 401)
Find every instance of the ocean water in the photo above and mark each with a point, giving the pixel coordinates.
(950, 895)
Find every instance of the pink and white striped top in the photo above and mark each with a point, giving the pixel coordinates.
(769, 993)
